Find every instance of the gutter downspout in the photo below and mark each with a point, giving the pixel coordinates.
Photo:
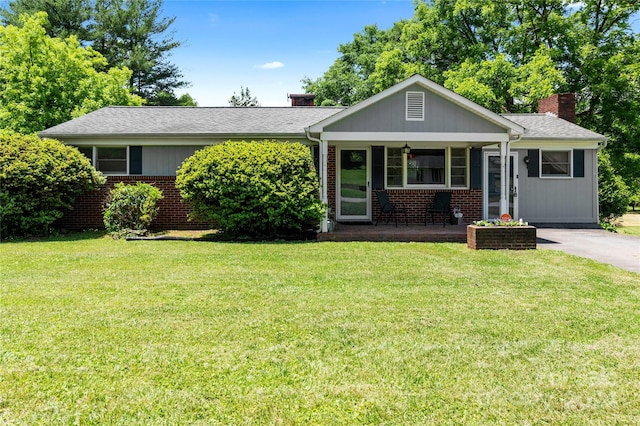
(324, 198)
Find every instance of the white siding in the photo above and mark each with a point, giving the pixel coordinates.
(440, 115)
(165, 160)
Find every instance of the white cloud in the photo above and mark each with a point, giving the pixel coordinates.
(270, 65)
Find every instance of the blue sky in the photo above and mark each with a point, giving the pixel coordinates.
(267, 46)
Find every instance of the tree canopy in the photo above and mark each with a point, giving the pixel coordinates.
(506, 56)
(128, 33)
(45, 80)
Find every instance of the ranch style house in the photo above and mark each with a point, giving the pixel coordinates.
(411, 140)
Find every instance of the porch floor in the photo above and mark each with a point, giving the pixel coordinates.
(412, 233)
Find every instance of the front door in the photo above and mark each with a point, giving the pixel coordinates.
(353, 185)
(491, 187)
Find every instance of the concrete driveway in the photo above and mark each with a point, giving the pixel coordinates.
(618, 250)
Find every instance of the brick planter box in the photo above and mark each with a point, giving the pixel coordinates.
(501, 237)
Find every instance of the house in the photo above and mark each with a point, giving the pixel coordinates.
(413, 139)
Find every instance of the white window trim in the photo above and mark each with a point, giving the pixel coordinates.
(447, 178)
(569, 150)
(406, 109)
(94, 160)
(386, 168)
(467, 182)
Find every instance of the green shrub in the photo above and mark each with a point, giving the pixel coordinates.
(131, 208)
(39, 180)
(264, 189)
(613, 193)
(608, 226)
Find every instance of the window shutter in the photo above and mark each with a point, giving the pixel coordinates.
(135, 160)
(534, 163)
(415, 106)
(476, 167)
(578, 163)
(377, 160)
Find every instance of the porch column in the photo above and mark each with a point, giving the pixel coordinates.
(324, 154)
(504, 177)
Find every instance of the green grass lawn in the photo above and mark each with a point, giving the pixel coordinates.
(97, 331)
(630, 223)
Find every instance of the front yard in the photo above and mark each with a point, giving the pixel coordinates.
(96, 331)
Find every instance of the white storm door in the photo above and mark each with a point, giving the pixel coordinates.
(491, 186)
(354, 194)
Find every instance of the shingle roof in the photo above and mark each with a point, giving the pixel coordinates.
(550, 127)
(260, 121)
(192, 121)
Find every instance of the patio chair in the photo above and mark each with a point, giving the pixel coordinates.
(441, 205)
(390, 209)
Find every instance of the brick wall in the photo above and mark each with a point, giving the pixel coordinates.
(172, 214)
(415, 200)
(501, 237)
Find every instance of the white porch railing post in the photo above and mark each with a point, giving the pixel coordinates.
(504, 176)
(324, 165)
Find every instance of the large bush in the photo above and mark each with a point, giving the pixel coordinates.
(613, 193)
(131, 208)
(264, 189)
(39, 180)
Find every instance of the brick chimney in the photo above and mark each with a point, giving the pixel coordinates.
(302, 100)
(562, 105)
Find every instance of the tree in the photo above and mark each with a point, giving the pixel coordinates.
(170, 99)
(131, 33)
(66, 17)
(39, 181)
(449, 35)
(45, 81)
(346, 81)
(244, 99)
(612, 191)
(128, 33)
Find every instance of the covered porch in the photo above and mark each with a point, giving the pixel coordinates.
(413, 140)
(388, 232)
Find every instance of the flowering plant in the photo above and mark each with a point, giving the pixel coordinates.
(500, 223)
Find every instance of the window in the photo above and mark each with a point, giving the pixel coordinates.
(87, 151)
(427, 167)
(112, 160)
(555, 163)
(415, 106)
(458, 167)
(394, 167)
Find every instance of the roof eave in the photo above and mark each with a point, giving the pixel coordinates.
(171, 135)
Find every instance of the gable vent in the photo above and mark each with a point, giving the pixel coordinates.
(415, 106)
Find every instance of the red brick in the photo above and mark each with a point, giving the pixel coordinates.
(173, 214)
